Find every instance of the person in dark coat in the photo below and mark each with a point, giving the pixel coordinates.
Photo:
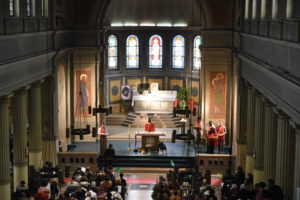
(275, 191)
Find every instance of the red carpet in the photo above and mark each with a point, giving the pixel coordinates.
(141, 180)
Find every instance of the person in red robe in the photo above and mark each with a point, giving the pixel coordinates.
(149, 126)
(211, 134)
(221, 131)
(102, 129)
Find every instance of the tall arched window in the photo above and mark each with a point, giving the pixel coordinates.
(132, 52)
(197, 53)
(14, 8)
(254, 9)
(178, 52)
(155, 52)
(263, 9)
(112, 52)
(274, 9)
(246, 9)
(44, 8)
(289, 8)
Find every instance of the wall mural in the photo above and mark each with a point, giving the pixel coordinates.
(114, 95)
(83, 95)
(217, 106)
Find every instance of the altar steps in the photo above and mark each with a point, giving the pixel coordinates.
(154, 161)
(160, 120)
(115, 120)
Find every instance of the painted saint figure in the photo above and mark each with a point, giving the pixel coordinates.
(83, 93)
(218, 83)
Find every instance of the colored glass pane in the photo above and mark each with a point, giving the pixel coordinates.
(132, 52)
(178, 52)
(155, 52)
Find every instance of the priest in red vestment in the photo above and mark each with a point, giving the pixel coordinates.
(149, 126)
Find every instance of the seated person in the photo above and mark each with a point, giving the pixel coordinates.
(149, 126)
(102, 129)
(109, 155)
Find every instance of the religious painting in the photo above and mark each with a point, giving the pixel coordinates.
(114, 89)
(112, 52)
(178, 52)
(160, 82)
(132, 52)
(83, 95)
(217, 106)
(126, 92)
(153, 87)
(155, 52)
(195, 91)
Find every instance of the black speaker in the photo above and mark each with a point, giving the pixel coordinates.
(67, 171)
(173, 136)
(110, 110)
(194, 112)
(189, 136)
(67, 133)
(81, 136)
(88, 127)
(90, 109)
(94, 132)
(174, 112)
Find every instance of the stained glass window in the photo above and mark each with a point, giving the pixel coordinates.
(155, 52)
(28, 8)
(178, 52)
(44, 4)
(11, 7)
(197, 53)
(112, 52)
(132, 52)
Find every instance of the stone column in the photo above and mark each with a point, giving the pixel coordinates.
(270, 141)
(285, 155)
(4, 150)
(19, 110)
(258, 140)
(250, 130)
(49, 151)
(35, 126)
(297, 162)
(242, 136)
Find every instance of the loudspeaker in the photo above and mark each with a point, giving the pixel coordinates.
(67, 171)
(194, 112)
(174, 112)
(90, 109)
(94, 132)
(88, 127)
(189, 136)
(67, 133)
(173, 136)
(81, 136)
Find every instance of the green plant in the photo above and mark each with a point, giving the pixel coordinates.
(183, 95)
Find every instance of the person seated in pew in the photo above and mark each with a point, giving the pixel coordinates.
(149, 126)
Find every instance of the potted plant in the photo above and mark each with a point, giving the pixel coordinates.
(183, 96)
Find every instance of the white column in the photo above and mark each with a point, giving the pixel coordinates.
(5, 192)
(35, 126)
(19, 111)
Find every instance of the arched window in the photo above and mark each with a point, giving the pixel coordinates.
(274, 9)
(30, 8)
(289, 8)
(197, 53)
(112, 52)
(263, 9)
(178, 52)
(14, 8)
(246, 9)
(132, 52)
(155, 52)
(254, 9)
(44, 5)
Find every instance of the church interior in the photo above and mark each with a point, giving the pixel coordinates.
(186, 95)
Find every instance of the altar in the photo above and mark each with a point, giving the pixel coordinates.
(148, 137)
(160, 101)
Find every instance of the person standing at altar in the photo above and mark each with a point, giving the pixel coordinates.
(211, 137)
(221, 131)
(199, 127)
(149, 126)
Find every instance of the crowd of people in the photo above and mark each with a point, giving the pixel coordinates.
(191, 185)
(84, 185)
